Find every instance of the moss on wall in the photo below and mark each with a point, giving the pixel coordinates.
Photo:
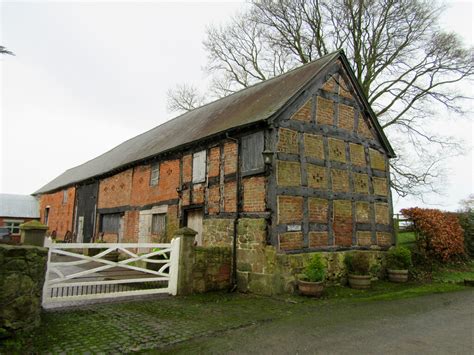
(211, 268)
(22, 271)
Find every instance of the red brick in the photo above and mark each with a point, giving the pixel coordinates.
(254, 194)
(213, 202)
(230, 197)
(291, 240)
(144, 194)
(115, 191)
(318, 239)
(325, 111)
(187, 168)
(60, 215)
(214, 162)
(290, 209)
(230, 157)
(304, 113)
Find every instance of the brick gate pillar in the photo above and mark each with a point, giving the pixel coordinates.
(186, 260)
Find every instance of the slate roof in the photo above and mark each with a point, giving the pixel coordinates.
(251, 105)
(24, 206)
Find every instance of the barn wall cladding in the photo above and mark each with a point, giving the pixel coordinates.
(324, 187)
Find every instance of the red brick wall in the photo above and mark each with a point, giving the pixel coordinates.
(115, 191)
(60, 218)
(143, 194)
(214, 161)
(254, 194)
(230, 157)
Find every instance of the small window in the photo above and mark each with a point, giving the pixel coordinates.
(252, 148)
(199, 166)
(155, 174)
(110, 223)
(46, 215)
(13, 226)
(64, 196)
(158, 223)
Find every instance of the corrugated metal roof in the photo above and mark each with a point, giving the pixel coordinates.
(18, 206)
(247, 106)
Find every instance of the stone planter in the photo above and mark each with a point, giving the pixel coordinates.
(312, 289)
(397, 275)
(359, 282)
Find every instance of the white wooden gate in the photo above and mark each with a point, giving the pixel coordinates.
(73, 276)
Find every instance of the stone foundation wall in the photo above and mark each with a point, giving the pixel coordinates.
(211, 268)
(22, 271)
(217, 232)
(278, 272)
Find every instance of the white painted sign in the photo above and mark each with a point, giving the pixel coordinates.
(294, 228)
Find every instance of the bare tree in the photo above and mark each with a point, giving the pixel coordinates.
(467, 204)
(184, 98)
(406, 64)
(3, 50)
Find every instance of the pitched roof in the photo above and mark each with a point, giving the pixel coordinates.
(24, 206)
(251, 105)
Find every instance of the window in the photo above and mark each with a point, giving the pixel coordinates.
(252, 148)
(64, 196)
(158, 223)
(199, 166)
(155, 174)
(13, 226)
(46, 215)
(110, 223)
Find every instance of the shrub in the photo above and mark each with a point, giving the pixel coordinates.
(399, 258)
(466, 220)
(438, 234)
(357, 263)
(316, 270)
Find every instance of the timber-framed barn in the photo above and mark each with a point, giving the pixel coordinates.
(298, 163)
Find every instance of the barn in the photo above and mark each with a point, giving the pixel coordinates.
(290, 166)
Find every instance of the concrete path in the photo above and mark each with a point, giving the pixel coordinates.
(434, 324)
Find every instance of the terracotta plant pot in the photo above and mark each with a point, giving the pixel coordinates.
(398, 275)
(312, 289)
(359, 282)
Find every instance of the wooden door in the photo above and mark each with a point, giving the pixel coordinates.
(194, 221)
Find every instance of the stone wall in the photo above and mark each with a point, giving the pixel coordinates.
(211, 268)
(22, 271)
(217, 232)
(279, 271)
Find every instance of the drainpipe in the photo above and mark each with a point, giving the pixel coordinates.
(233, 286)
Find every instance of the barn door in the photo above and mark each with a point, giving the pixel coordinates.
(144, 229)
(86, 205)
(194, 221)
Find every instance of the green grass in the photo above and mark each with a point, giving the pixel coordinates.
(406, 239)
(383, 290)
(454, 273)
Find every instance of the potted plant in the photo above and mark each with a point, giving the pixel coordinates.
(311, 283)
(398, 262)
(358, 268)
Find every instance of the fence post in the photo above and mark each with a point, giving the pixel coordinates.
(186, 260)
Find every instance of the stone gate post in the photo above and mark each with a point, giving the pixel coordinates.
(33, 233)
(186, 260)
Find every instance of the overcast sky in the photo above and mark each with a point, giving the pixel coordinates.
(88, 75)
